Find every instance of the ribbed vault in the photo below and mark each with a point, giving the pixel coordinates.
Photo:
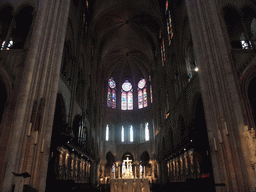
(126, 38)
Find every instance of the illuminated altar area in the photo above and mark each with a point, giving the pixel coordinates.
(128, 183)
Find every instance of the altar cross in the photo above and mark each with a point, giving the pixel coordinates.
(127, 161)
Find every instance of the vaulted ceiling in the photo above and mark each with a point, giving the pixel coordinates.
(125, 35)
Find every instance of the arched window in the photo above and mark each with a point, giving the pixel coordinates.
(240, 27)
(131, 134)
(122, 134)
(5, 22)
(190, 61)
(107, 133)
(127, 96)
(142, 94)
(169, 22)
(111, 95)
(163, 52)
(146, 132)
(151, 93)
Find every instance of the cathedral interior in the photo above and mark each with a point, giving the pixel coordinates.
(96, 92)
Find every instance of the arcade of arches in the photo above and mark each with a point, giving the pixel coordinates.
(98, 92)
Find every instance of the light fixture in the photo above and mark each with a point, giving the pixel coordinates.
(196, 69)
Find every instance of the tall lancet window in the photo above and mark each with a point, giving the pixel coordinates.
(111, 96)
(122, 134)
(146, 132)
(169, 22)
(131, 134)
(163, 52)
(150, 89)
(127, 96)
(142, 94)
(107, 133)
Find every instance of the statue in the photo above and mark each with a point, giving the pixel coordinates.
(128, 172)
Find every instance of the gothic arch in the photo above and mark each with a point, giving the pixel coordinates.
(110, 157)
(200, 139)
(110, 161)
(23, 26)
(59, 122)
(234, 25)
(144, 158)
(127, 154)
(5, 20)
(246, 78)
(76, 123)
(110, 152)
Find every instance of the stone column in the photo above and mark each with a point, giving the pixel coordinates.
(136, 169)
(158, 171)
(39, 82)
(144, 172)
(153, 170)
(222, 99)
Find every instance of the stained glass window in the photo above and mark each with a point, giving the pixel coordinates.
(142, 94)
(166, 6)
(140, 99)
(87, 4)
(130, 99)
(127, 96)
(169, 22)
(145, 97)
(9, 44)
(111, 95)
(113, 99)
(151, 94)
(111, 83)
(163, 52)
(169, 28)
(142, 83)
(127, 86)
(124, 101)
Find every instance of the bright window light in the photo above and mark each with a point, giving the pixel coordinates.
(107, 133)
(131, 134)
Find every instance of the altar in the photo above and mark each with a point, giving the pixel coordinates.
(129, 185)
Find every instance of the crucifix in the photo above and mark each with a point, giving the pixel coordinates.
(127, 161)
